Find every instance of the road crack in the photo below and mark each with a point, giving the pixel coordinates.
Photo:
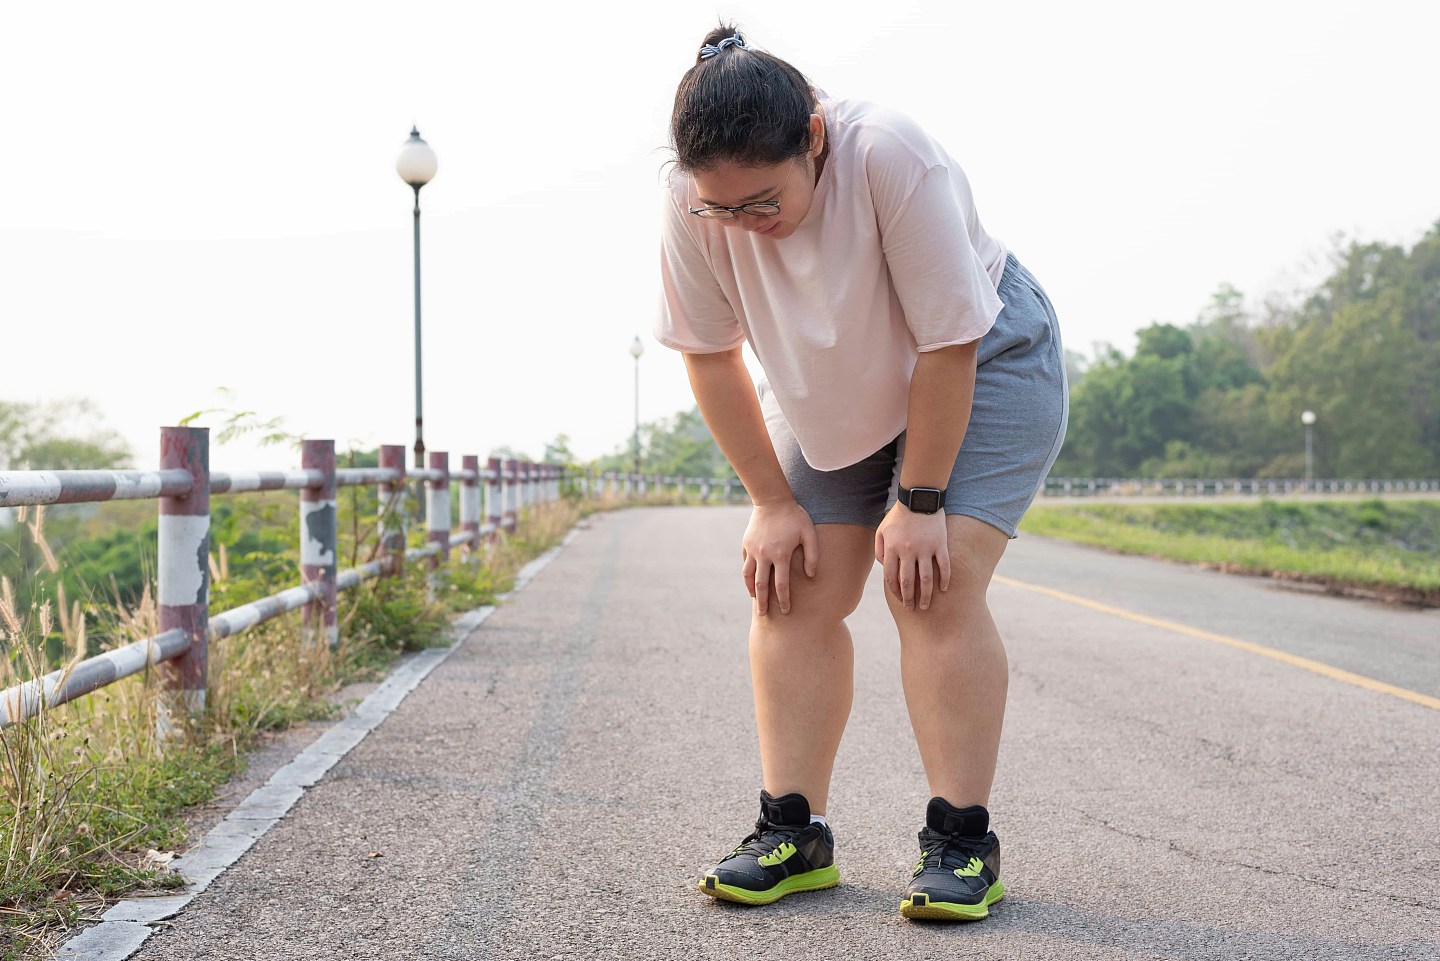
(1263, 869)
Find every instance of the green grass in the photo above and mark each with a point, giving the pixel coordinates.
(1392, 547)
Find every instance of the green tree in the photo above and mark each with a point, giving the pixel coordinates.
(1127, 409)
(65, 435)
(674, 446)
(1224, 395)
(1363, 352)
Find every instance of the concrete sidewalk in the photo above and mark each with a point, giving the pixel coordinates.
(553, 789)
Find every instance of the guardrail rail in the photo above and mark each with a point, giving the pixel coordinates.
(491, 502)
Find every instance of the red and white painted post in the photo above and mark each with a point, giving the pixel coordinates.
(392, 510)
(512, 494)
(470, 502)
(437, 514)
(317, 543)
(183, 580)
(495, 496)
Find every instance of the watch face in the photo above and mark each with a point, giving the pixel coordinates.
(924, 500)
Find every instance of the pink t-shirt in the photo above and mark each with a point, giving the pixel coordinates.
(891, 260)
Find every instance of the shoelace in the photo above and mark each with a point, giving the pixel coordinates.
(946, 852)
(766, 838)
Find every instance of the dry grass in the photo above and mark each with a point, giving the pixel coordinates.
(92, 794)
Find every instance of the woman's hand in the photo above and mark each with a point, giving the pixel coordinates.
(910, 546)
(775, 531)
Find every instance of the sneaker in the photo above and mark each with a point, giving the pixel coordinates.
(784, 854)
(958, 875)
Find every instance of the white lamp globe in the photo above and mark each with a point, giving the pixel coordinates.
(1307, 418)
(416, 163)
(637, 348)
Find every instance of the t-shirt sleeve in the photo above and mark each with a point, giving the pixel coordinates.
(944, 288)
(695, 315)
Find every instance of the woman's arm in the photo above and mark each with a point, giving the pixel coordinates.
(912, 546)
(779, 526)
(941, 392)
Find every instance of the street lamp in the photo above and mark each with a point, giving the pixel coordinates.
(1308, 419)
(416, 166)
(636, 349)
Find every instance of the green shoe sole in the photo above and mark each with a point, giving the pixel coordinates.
(920, 906)
(809, 881)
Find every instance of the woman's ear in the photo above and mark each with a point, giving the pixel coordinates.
(817, 135)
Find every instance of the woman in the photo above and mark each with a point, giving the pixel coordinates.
(914, 399)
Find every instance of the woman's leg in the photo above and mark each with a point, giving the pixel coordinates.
(954, 669)
(802, 666)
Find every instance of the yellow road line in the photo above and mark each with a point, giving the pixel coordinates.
(1284, 657)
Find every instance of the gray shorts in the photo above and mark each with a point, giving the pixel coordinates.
(1017, 424)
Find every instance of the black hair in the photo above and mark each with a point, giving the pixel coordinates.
(741, 106)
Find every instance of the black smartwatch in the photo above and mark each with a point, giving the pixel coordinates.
(922, 500)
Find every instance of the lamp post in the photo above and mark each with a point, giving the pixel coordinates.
(636, 349)
(416, 165)
(1308, 419)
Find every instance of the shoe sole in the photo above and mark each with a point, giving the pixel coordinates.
(815, 880)
(920, 906)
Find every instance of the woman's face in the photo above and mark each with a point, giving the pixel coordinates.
(791, 183)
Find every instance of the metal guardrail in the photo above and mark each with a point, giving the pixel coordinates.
(1203, 487)
(491, 501)
(183, 486)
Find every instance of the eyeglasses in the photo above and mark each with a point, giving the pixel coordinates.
(756, 208)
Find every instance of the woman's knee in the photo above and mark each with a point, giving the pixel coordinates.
(824, 600)
(953, 615)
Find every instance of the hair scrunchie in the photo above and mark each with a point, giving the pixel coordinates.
(710, 50)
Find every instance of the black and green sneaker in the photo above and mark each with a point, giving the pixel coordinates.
(958, 875)
(784, 854)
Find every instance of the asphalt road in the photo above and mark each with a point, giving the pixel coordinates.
(553, 789)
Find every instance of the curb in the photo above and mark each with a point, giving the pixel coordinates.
(128, 923)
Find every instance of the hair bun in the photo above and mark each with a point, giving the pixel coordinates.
(719, 39)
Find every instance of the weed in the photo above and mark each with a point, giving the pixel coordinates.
(93, 796)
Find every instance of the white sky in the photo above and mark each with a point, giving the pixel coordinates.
(198, 195)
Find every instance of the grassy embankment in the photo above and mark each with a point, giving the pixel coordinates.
(1385, 547)
(92, 803)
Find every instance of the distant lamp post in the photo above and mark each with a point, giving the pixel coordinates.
(416, 165)
(1308, 419)
(636, 349)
